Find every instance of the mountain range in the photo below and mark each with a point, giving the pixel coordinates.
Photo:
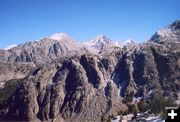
(58, 79)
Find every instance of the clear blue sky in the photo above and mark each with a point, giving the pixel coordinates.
(26, 20)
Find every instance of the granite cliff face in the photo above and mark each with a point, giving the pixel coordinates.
(58, 79)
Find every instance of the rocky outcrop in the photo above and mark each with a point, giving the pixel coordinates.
(67, 90)
(86, 86)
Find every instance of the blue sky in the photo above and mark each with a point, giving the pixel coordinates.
(26, 20)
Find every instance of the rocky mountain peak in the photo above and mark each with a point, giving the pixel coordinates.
(10, 46)
(170, 33)
(175, 25)
(60, 36)
(128, 42)
(99, 43)
(100, 40)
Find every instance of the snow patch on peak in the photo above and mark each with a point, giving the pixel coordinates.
(165, 32)
(10, 46)
(128, 41)
(60, 36)
(101, 44)
(129, 45)
(98, 44)
(117, 44)
(100, 40)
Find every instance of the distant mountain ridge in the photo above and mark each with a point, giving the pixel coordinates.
(55, 46)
